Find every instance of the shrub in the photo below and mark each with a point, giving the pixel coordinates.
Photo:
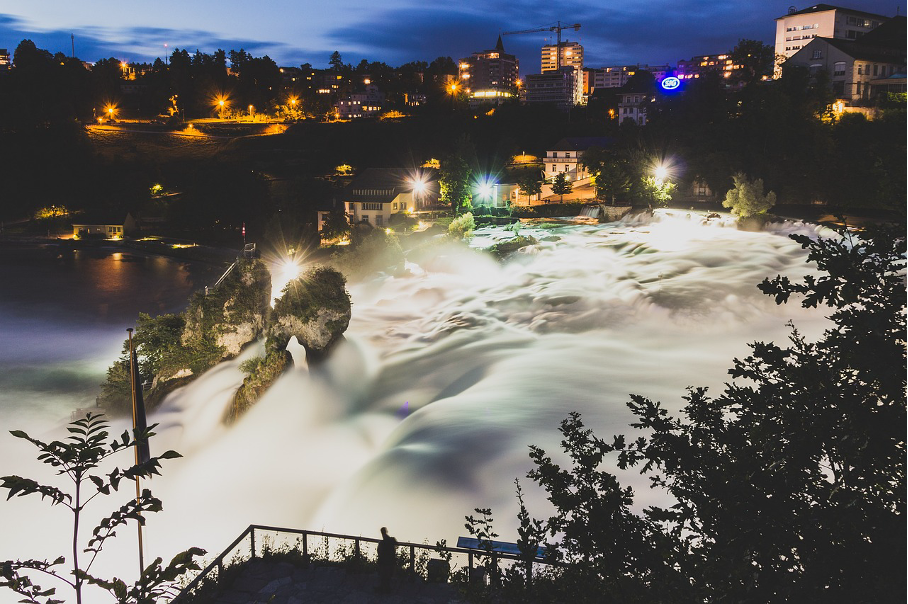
(462, 226)
(746, 199)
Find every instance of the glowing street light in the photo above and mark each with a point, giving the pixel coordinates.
(660, 173)
(419, 188)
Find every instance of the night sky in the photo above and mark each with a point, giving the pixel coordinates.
(396, 31)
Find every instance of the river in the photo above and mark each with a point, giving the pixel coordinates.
(426, 410)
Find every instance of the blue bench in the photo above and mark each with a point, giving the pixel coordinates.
(497, 546)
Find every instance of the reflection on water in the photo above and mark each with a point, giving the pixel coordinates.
(448, 373)
(63, 316)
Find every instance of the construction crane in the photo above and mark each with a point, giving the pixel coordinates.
(556, 28)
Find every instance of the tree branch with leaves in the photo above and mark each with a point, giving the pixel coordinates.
(79, 458)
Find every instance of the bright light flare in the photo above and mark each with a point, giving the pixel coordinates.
(419, 185)
(485, 189)
(661, 172)
(283, 273)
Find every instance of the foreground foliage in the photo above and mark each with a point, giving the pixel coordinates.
(789, 486)
(79, 458)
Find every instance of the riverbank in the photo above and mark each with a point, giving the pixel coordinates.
(188, 251)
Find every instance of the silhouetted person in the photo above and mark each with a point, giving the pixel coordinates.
(387, 559)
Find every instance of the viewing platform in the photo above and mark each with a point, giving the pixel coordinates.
(291, 566)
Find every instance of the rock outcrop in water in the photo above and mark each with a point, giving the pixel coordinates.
(314, 308)
(220, 322)
(261, 373)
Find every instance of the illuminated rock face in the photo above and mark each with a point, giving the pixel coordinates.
(314, 308)
(234, 313)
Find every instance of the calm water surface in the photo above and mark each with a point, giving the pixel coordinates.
(63, 316)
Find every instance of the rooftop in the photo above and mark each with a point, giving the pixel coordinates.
(820, 8)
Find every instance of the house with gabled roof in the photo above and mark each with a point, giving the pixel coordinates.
(854, 66)
(375, 194)
(103, 226)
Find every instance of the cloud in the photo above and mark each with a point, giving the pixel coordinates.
(645, 31)
(134, 43)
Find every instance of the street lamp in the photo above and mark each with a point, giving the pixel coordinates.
(660, 173)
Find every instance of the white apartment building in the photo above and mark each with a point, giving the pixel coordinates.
(796, 29)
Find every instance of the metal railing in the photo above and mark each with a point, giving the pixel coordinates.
(315, 547)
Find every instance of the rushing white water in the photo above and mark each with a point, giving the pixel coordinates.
(450, 372)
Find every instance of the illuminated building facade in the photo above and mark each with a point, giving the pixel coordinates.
(378, 193)
(555, 57)
(367, 103)
(5, 61)
(490, 75)
(796, 29)
(567, 154)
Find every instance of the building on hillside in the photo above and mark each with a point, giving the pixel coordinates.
(366, 103)
(566, 155)
(796, 29)
(557, 87)
(860, 69)
(617, 76)
(490, 75)
(378, 193)
(633, 106)
(5, 59)
(555, 57)
(700, 65)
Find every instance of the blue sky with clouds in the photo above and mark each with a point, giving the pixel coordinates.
(395, 31)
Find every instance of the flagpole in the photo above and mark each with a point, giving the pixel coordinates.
(134, 385)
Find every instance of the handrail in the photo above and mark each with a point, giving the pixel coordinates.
(250, 532)
(224, 276)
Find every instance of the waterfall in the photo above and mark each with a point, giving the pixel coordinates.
(448, 373)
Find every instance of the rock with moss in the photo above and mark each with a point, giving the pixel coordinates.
(221, 323)
(503, 248)
(261, 373)
(315, 308)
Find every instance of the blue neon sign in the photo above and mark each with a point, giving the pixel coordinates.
(671, 83)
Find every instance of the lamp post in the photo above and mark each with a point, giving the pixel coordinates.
(453, 90)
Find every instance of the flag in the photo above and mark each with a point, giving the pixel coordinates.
(139, 423)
